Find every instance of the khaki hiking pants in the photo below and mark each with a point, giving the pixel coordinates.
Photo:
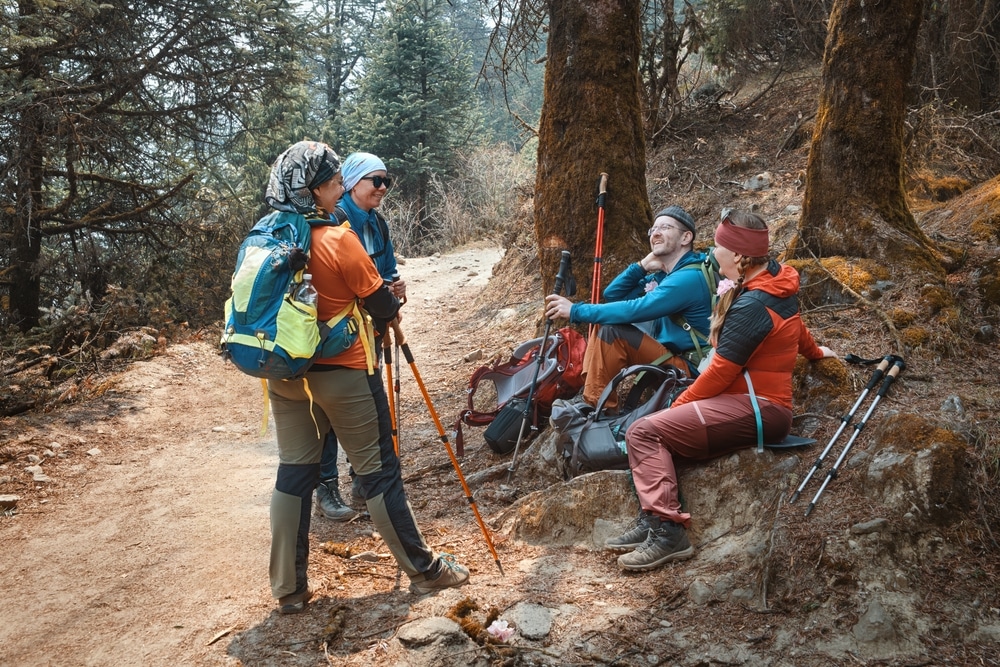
(354, 404)
(614, 347)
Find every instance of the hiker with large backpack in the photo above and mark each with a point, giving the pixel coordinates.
(342, 392)
(743, 398)
(656, 310)
(366, 182)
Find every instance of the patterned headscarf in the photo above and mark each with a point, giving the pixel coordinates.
(357, 165)
(303, 167)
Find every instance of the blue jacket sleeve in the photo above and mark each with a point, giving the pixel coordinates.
(390, 267)
(627, 285)
(675, 293)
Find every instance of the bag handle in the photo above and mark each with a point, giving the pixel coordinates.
(624, 373)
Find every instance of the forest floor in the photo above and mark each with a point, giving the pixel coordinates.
(140, 534)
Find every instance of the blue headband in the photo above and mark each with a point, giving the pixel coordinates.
(357, 165)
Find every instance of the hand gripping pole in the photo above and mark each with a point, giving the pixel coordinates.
(898, 365)
(844, 421)
(561, 276)
(401, 342)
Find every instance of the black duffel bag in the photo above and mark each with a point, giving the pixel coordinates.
(591, 440)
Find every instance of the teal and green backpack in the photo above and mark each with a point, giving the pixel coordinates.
(268, 334)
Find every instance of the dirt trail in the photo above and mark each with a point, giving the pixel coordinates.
(145, 552)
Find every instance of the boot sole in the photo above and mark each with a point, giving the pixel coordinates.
(623, 547)
(340, 518)
(677, 555)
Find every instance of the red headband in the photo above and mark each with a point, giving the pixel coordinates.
(741, 240)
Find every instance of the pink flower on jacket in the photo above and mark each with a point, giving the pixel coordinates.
(651, 285)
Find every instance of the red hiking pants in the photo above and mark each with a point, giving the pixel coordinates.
(696, 431)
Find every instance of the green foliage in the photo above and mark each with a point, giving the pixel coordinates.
(108, 113)
(745, 36)
(415, 104)
(484, 200)
(334, 49)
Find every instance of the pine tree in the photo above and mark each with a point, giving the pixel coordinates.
(416, 103)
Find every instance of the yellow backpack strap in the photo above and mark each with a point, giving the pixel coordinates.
(267, 405)
(366, 330)
(335, 320)
(305, 387)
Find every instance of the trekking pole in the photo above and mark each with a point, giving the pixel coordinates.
(401, 342)
(561, 277)
(595, 285)
(844, 421)
(399, 405)
(898, 365)
(393, 405)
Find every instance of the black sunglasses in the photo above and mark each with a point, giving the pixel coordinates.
(378, 181)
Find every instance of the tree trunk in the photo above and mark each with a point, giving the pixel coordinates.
(25, 216)
(591, 123)
(854, 203)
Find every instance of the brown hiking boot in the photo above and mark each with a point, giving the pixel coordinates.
(450, 575)
(632, 538)
(296, 602)
(667, 541)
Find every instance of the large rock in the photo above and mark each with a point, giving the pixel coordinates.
(915, 465)
(437, 642)
(565, 513)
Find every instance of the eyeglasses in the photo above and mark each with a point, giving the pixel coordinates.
(664, 228)
(378, 181)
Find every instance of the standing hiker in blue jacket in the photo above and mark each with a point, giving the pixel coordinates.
(366, 182)
(656, 309)
(341, 391)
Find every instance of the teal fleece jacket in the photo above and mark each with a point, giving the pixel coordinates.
(682, 292)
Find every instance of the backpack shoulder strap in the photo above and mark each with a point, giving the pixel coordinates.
(622, 374)
(339, 215)
(708, 272)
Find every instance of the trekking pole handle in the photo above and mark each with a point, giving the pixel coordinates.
(879, 372)
(563, 274)
(602, 189)
(897, 367)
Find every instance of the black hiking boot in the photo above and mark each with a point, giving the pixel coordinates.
(631, 538)
(330, 504)
(667, 541)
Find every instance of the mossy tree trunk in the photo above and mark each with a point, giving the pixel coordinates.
(855, 204)
(591, 123)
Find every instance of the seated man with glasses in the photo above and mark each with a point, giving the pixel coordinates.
(656, 310)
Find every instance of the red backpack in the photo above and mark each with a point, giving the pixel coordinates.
(559, 376)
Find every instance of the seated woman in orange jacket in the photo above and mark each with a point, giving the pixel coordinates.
(756, 332)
